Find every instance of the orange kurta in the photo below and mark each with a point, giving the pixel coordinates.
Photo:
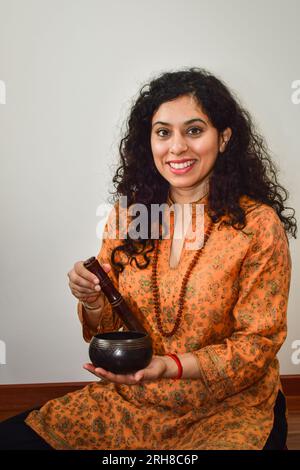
(234, 322)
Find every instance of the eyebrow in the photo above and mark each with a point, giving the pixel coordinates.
(186, 122)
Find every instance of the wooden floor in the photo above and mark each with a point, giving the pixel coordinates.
(293, 441)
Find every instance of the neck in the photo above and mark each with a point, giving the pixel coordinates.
(189, 195)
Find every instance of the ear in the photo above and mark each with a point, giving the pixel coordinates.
(224, 139)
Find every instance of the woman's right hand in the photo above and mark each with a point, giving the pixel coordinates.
(85, 285)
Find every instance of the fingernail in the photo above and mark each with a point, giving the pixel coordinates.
(97, 287)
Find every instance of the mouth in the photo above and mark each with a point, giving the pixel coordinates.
(181, 167)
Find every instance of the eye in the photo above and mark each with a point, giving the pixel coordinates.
(195, 129)
(159, 132)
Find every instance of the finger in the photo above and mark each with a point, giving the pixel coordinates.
(128, 379)
(84, 290)
(83, 282)
(89, 298)
(85, 273)
(82, 277)
(106, 267)
(140, 375)
(90, 368)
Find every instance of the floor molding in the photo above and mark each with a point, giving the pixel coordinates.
(291, 385)
(15, 398)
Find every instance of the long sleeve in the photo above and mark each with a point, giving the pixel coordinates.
(259, 315)
(108, 320)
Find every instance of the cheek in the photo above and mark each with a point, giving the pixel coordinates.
(205, 146)
(159, 150)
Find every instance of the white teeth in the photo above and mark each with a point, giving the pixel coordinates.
(179, 166)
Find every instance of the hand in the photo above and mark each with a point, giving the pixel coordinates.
(154, 371)
(85, 285)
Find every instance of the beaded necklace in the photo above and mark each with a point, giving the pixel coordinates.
(155, 289)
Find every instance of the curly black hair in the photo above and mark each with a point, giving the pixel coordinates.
(244, 168)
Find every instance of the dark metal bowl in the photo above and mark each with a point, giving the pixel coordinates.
(121, 352)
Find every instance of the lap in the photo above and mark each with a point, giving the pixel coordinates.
(15, 434)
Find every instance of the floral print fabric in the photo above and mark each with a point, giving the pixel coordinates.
(234, 322)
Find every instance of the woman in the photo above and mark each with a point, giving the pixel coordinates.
(219, 309)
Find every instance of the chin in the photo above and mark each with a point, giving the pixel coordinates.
(184, 182)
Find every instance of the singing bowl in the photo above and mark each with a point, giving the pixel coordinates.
(121, 352)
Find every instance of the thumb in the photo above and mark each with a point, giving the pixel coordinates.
(106, 267)
(139, 375)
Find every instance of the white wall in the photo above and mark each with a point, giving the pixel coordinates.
(70, 69)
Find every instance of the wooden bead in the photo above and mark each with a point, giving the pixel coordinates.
(155, 288)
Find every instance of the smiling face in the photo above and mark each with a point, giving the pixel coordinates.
(185, 145)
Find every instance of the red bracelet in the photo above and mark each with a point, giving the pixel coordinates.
(179, 365)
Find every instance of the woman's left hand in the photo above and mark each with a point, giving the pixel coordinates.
(154, 371)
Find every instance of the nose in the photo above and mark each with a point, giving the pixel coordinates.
(178, 145)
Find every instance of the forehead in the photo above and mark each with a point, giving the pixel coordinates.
(182, 108)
